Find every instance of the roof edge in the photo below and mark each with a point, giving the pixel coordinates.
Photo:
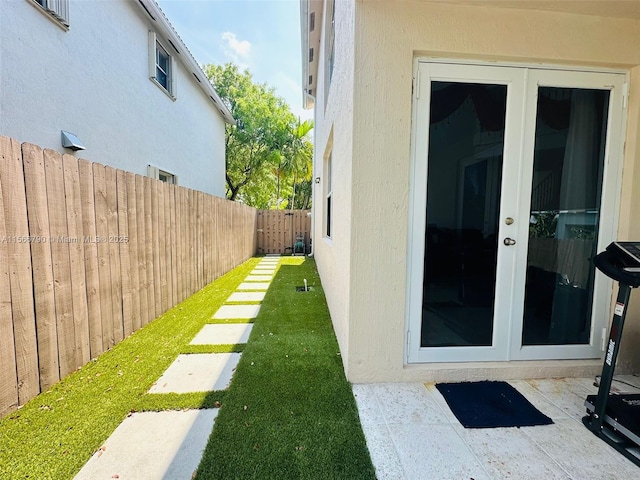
(162, 23)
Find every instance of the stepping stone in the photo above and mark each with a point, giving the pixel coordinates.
(263, 271)
(246, 297)
(152, 446)
(197, 372)
(254, 286)
(237, 311)
(258, 278)
(229, 334)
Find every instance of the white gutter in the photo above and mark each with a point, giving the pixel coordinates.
(162, 25)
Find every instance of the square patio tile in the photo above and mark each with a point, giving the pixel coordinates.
(408, 403)
(502, 450)
(201, 372)
(246, 297)
(580, 453)
(152, 446)
(435, 452)
(254, 286)
(237, 311)
(219, 334)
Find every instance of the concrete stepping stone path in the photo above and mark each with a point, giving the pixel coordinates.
(237, 311)
(258, 278)
(197, 372)
(153, 446)
(246, 297)
(254, 286)
(170, 444)
(223, 334)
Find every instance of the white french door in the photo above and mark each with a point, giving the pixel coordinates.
(515, 174)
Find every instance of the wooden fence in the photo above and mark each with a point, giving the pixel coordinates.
(89, 254)
(281, 231)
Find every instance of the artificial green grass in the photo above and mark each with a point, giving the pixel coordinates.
(53, 435)
(289, 412)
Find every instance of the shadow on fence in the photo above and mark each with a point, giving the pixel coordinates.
(89, 254)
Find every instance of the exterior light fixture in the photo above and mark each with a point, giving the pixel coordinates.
(317, 179)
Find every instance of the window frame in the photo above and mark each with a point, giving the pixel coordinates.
(328, 194)
(157, 173)
(55, 10)
(156, 48)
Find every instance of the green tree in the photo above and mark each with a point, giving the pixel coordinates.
(265, 147)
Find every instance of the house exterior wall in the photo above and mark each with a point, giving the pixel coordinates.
(334, 125)
(93, 81)
(388, 37)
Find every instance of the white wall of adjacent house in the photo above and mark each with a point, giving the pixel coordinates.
(93, 81)
(369, 110)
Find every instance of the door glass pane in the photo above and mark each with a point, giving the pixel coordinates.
(564, 217)
(466, 141)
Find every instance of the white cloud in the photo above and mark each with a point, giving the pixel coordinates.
(236, 50)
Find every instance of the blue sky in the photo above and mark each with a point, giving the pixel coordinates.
(261, 35)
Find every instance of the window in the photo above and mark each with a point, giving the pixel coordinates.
(332, 40)
(161, 66)
(330, 48)
(328, 191)
(58, 10)
(162, 175)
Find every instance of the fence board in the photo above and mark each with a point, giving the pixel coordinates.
(114, 253)
(76, 258)
(174, 247)
(122, 241)
(162, 249)
(155, 250)
(150, 260)
(92, 278)
(44, 299)
(60, 260)
(19, 262)
(8, 379)
(141, 205)
(104, 262)
(132, 244)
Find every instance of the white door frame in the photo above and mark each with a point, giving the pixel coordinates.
(522, 82)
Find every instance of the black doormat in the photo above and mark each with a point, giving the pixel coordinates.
(490, 405)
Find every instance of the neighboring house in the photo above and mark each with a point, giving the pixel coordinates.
(471, 156)
(118, 78)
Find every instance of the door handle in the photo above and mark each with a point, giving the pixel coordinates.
(509, 241)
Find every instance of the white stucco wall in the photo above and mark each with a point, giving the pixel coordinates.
(388, 37)
(93, 81)
(334, 125)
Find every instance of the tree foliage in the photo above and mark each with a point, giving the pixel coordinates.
(268, 152)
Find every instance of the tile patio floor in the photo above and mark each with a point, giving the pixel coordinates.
(412, 435)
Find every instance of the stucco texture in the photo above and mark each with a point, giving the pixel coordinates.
(93, 81)
(376, 151)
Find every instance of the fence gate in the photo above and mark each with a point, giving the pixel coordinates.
(284, 232)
